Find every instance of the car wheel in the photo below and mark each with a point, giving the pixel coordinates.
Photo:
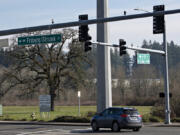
(115, 127)
(136, 129)
(94, 126)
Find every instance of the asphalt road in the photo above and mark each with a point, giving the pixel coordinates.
(31, 129)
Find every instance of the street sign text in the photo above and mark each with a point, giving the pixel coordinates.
(143, 58)
(41, 39)
(45, 103)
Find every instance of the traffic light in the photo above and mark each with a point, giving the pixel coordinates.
(162, 95)
(122, 47)
(83, 33)
(87, 46)
(158, 21)
(83, 29)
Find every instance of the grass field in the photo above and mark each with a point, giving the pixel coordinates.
(25, 112)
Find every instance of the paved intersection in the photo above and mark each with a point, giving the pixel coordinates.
(45, 129)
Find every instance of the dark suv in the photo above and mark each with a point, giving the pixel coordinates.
(117, 118)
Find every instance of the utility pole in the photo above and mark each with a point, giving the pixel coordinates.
(104, 92)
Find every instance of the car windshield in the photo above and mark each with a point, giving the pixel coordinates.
(131, 111)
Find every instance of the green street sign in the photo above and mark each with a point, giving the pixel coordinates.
(40, 39)
(143, 58)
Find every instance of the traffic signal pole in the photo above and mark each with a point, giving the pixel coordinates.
(159, 26)
(166, 79)
(104, 90)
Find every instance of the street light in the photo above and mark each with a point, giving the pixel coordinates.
(52, 22)
(138, 9)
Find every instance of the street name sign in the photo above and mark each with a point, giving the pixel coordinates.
(143, 58)
(40, 39)
(45, 103)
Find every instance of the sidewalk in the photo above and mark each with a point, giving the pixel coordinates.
(162, 125)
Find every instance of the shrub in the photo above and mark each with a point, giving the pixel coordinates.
(145, 117)
(158, 111)
(176, 120)
(90, 114)
(155, 119)
(142, 101)
(72, 119)
(175, 106)
(24, 119)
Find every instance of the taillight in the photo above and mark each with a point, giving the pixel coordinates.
(124, 115)
(139, 115)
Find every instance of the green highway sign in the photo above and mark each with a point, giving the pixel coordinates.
(40, 39)
(143, 58)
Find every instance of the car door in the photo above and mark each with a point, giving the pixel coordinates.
(102, 119)
(109, 118)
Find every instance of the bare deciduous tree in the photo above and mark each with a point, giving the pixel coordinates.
(50, 64)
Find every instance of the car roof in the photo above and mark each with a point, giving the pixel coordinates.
(124, 108)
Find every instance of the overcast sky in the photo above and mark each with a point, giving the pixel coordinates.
(25, 13)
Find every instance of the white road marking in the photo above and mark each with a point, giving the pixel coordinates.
(44, 131)
(54, 131)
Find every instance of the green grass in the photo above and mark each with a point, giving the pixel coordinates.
(24, 112)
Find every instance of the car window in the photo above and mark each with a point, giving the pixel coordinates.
(105, 112)
(110, 111)
(131, 111)
(117, 111)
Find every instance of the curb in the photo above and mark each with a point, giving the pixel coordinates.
(44, 123)
(161, 125)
